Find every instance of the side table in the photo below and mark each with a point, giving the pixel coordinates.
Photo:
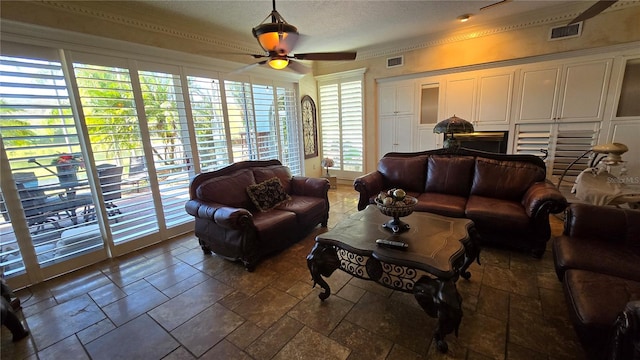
(333, 181)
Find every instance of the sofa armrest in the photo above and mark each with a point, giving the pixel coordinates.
(307, 186)
(225, 216)
(542, 199)
(626, 333)
(604, 223)
(368, 185)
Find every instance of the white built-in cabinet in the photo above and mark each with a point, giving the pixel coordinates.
(397, 114)
(480, 97)
(563, 92)
(459, 97)
(564, 106)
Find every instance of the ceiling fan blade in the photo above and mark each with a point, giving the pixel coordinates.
(248, 67)
(327, 56)
(298, 67)
(287, 43)
(494, 4)
(594, 10)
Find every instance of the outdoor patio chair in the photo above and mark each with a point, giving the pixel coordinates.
(110, 177)
(40, 209)
(137, 171)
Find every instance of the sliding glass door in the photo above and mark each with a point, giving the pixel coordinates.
(100, 150)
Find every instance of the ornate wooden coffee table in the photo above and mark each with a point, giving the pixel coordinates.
(440, 249)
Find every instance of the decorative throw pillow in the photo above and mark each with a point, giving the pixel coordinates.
(267, 194)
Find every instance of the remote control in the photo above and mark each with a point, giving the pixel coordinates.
(395, 244)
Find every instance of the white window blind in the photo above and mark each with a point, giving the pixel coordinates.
(115, 137)
(241, 120)
(291, 148)
(208, 119)
(166, 115)
(42, 146)
(266, 125)
(341, 119)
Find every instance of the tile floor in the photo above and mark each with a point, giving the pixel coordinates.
(172, 302)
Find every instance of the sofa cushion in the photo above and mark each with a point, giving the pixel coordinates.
(615, 259)
(442, 204)
(275, 226)
(492, 213)
(407, 173)
(267, 172)
(507, 180)
(594, 301)
(229, 190)
(447, 174)
(267, 194)
(309, 210)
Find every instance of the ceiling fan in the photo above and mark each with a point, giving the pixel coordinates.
(592, 11)
(278, 38)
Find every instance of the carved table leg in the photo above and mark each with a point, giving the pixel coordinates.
(471, 253)
(440, 298)
(322, 261)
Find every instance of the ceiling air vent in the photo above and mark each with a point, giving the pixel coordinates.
(395, 61)
(565, 32)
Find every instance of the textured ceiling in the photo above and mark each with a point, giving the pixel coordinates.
(364, 24)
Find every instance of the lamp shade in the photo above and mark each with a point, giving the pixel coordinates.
(279, 63)
(453, 125)
(278, 37)
(327, 162)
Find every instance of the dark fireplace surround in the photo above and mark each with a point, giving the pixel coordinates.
(490, 141)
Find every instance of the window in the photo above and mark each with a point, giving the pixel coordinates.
(341, 122)
(106, 146)
(37, 129)
(208, 121)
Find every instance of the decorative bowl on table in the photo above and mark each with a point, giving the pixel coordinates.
(397, 204)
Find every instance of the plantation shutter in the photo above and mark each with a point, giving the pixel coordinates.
(164, 106)
(115, 137)
(290, 130)
(208, 120)
(341, 118)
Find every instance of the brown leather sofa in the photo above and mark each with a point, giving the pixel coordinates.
(506, 196)
(598, 261)
(230, 224)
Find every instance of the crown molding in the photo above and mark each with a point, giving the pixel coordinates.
(506, 25)
(75, 7)
(441, 39)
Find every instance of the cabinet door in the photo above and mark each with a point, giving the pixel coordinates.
(538, 94)
(583, 91)
(386, 135)
(459, 98)
(628, 132)
(405, 99)
(387, 100)
(532, 138)
(405, 129)
(494, 99)
(397, 98)
(427, 140)
(568, 143)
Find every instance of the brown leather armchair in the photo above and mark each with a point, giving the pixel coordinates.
(597, 260)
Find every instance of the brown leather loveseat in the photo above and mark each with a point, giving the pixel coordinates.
(506, 196)
(238, 226)
(597, 259)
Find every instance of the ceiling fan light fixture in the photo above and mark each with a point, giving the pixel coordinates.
(464, 18)
(279, 63)
(275, 37)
